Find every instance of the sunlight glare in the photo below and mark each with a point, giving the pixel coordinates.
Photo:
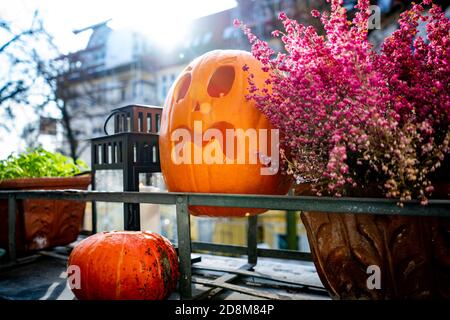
(166, 23)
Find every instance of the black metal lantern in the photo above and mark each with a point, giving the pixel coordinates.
(133, 148)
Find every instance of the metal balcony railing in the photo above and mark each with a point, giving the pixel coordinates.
(435, 208)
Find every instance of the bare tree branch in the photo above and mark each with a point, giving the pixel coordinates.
(15, 39)
(6, 93)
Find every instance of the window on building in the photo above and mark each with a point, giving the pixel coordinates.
(229, 32)
(164, 86)
(97, 130)
(74, 104)
(100, 94)
(349, 4)
(385, 5)
(135, 89)
(196, 41)
(171, 81)
(78, 132)
(207, 37)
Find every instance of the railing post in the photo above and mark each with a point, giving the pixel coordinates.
(93, 203)
(184, 247)
(94, 217)
(131, 211)
(252, 240)
(12, 227)
(291, 230)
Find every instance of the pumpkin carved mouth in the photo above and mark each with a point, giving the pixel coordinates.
(222, 127)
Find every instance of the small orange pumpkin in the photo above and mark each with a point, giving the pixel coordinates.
(212, 91)
(124, 265)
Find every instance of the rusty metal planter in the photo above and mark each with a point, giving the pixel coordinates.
(413, 253)
(43, 223)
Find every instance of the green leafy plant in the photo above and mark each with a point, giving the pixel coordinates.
(39, 163)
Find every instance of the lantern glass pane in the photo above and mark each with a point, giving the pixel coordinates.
(149, 122)
(109, 214)
(155, 217)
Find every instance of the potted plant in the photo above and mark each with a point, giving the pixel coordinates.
(42, 223)
(357, 122)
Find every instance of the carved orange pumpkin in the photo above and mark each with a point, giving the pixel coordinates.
(123, 265)
(210, 96)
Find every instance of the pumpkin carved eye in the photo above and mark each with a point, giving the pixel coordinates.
(221, 81)
(183, 87)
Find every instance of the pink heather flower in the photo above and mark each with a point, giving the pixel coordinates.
(282, 16)
(347, 112)
(315, 13)
(276, 33)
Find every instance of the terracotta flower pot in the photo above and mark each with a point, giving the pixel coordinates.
(413, 253)
(40, 223)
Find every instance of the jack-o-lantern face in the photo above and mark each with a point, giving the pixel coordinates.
(208, 100)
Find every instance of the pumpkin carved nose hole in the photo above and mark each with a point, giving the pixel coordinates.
(182, 87)
(197, 107)
(221, 81)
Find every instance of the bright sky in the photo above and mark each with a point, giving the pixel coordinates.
(161, 19)
(165, 21)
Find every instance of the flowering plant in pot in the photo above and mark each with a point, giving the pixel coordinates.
(357, 122)
(42, 223)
